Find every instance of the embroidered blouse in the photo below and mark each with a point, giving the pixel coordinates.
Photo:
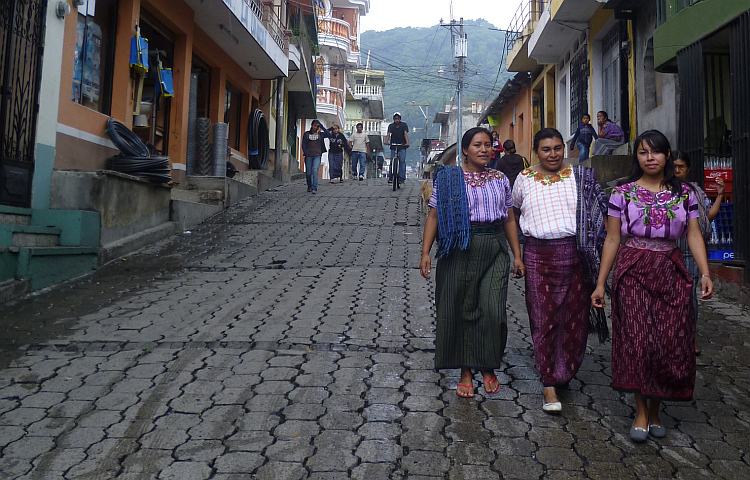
(488, 196)
(547, 203)
(653, 216)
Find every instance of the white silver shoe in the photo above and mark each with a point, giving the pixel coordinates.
(552, 407)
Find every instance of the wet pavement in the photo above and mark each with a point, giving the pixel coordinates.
(291, 337)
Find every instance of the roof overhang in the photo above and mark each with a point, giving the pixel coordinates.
(298, 83)
(556, 31)
(509, 91)
(624, 9)
(240, 33)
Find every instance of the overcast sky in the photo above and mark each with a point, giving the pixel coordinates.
(387, 14)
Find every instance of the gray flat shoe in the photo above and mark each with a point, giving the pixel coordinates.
(657, 431)
(638, 435)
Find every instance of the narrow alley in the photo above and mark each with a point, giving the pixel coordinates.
(291, 337)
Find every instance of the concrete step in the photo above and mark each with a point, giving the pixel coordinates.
(46, 266)
(208, 197)
(15, 215)
(29, 236)
(189, 214)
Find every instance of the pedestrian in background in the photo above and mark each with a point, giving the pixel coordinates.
(707, 212)
(653, 328)
(313, 149)
(511, 164)
(336, 143)
(359, 143)
(398, 138)
(497, 150)
(562, 211)
(610, 135)
(585, 134)
(471, 216)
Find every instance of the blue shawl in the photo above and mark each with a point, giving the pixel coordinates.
(454, 227)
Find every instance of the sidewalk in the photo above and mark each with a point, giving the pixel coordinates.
(292, 338)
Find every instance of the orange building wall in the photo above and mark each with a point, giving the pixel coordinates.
(520, 133)
(189, 39)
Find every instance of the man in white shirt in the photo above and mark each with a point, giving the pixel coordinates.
(360, 145)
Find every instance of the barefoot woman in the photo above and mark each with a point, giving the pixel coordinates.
(471, 216)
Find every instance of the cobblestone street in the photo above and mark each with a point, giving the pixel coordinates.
(291, 337)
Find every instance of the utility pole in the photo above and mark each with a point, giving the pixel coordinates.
(460, 51)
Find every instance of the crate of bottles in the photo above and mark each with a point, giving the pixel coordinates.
(717, 167)
(721, 243)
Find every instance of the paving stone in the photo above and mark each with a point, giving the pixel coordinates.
(330, 460)
(296, 450)
(186, 471)
(22, 416)
(200, 450)
(425, 463)
(193, 359)
(276, 471)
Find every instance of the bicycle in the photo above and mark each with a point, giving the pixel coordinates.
(396, 164)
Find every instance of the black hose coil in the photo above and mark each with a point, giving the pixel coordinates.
(155, 169)
(125, 140)
(258, 144)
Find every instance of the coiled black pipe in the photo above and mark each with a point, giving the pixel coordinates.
(125, 140)
(258, 144)
(155, 169)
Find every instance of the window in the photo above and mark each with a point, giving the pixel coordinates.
(579, 92)
(611, 76)
(520, 128)
(233, 115)
(94, 55)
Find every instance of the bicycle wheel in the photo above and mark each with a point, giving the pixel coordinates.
(396, 166)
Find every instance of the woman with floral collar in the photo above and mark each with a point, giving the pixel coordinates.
(471, 217)
(562, 219)
(653, 331)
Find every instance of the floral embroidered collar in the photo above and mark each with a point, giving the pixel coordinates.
(544, 179)
(658, 208)
(480, 179)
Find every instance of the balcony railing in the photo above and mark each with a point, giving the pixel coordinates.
(272, 22)
(368, 91)
(369, 126)
(338, 28)
(256, 7)
(520, 25)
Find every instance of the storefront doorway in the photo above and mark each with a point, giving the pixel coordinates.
(151, 121)
(20, 77)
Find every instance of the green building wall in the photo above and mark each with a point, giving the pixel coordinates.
(686, 26)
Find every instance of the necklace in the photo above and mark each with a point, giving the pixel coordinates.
(548, 179)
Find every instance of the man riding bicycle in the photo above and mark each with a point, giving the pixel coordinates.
(398, 134)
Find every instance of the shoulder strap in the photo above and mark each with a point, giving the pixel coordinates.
(525, 163)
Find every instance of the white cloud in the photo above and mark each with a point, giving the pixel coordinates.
(388, 14)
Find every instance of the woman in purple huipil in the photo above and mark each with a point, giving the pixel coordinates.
(653, 332)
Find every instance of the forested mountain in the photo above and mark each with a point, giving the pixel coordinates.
(412, 57)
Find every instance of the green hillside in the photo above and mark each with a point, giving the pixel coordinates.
(411, 58)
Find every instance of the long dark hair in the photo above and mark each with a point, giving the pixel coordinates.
(469, 135)
(315, 122)
(544, 134)
(658, 143)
